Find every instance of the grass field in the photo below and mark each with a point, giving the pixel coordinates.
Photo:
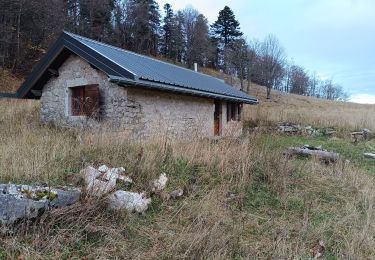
(243, 199)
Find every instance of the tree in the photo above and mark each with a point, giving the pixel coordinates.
(173, 37)
(95, 18)
(270, 64)
(142, 26)
(199, 48)
(226, 28)
(168, 29)
(313, 85)
(299, 80)
(238, 57)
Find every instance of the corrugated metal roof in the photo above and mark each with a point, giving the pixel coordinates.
(7, 95)
(152, 70)
(124, 66)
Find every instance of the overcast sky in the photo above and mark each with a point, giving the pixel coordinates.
(335, 38)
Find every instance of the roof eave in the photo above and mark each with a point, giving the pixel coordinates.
(86, 53)
(8, 95)
(177, 89)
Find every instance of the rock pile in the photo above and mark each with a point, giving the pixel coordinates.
(297, 129)
(101, 181)
(362, 135)
(20, 203)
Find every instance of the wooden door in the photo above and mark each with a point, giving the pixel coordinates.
(217, 118)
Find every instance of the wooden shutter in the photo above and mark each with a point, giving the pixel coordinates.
(77, 101)
(92, 100)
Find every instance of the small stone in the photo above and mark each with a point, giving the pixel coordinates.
(103, 168)
(370, 155)
(125, 179)
(366, 131)
(159, 184)
(177, 193)
(130, 201)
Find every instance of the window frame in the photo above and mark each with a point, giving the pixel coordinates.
(81, 93)
(234, 111)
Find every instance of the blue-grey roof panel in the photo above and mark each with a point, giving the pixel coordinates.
(149, 69)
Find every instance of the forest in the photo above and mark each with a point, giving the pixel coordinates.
(183, 37)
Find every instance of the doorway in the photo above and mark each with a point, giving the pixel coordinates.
(217, 118)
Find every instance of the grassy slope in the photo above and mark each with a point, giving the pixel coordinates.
(243, 199)
(8, 81)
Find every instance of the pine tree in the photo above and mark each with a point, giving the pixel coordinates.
(224, 31)
(142, 26)
(168, 28)
(226, 28)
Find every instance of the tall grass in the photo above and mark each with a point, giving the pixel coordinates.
(242, 199)
(308, 110)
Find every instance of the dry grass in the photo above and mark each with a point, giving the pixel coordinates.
(283, 107)
(299, 109)
(8, 81)
(243, 198)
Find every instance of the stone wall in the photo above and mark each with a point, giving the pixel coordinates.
(137, 112)
(172, 114)
(56, 96)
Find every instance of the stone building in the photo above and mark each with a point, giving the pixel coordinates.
(85, 83)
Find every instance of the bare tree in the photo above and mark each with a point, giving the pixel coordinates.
(313, 85)
(237, 56)
(269, 67)
(299, 80)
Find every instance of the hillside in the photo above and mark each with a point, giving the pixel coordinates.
(285, 107)
(8, 81)
(243, 198)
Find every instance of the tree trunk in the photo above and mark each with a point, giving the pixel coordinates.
(269, 92)
(326, 156)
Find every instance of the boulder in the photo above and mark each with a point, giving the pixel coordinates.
(23, 202)
(130, 201)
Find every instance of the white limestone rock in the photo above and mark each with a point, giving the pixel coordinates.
(97, 183)
(89, 174)
(125, 179)
(370, 155)
(160, 183)
(103, 168)
(176, 193)
(130, 201)
(99, 188)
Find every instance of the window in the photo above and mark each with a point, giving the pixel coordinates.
(234, 111)
(85, 100)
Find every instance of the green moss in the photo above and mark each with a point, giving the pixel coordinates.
(43, 194)
(28, 194)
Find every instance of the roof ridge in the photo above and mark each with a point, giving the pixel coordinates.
(140, 55)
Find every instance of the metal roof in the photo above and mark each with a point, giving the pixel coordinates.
(129, 68)
(7, 95)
